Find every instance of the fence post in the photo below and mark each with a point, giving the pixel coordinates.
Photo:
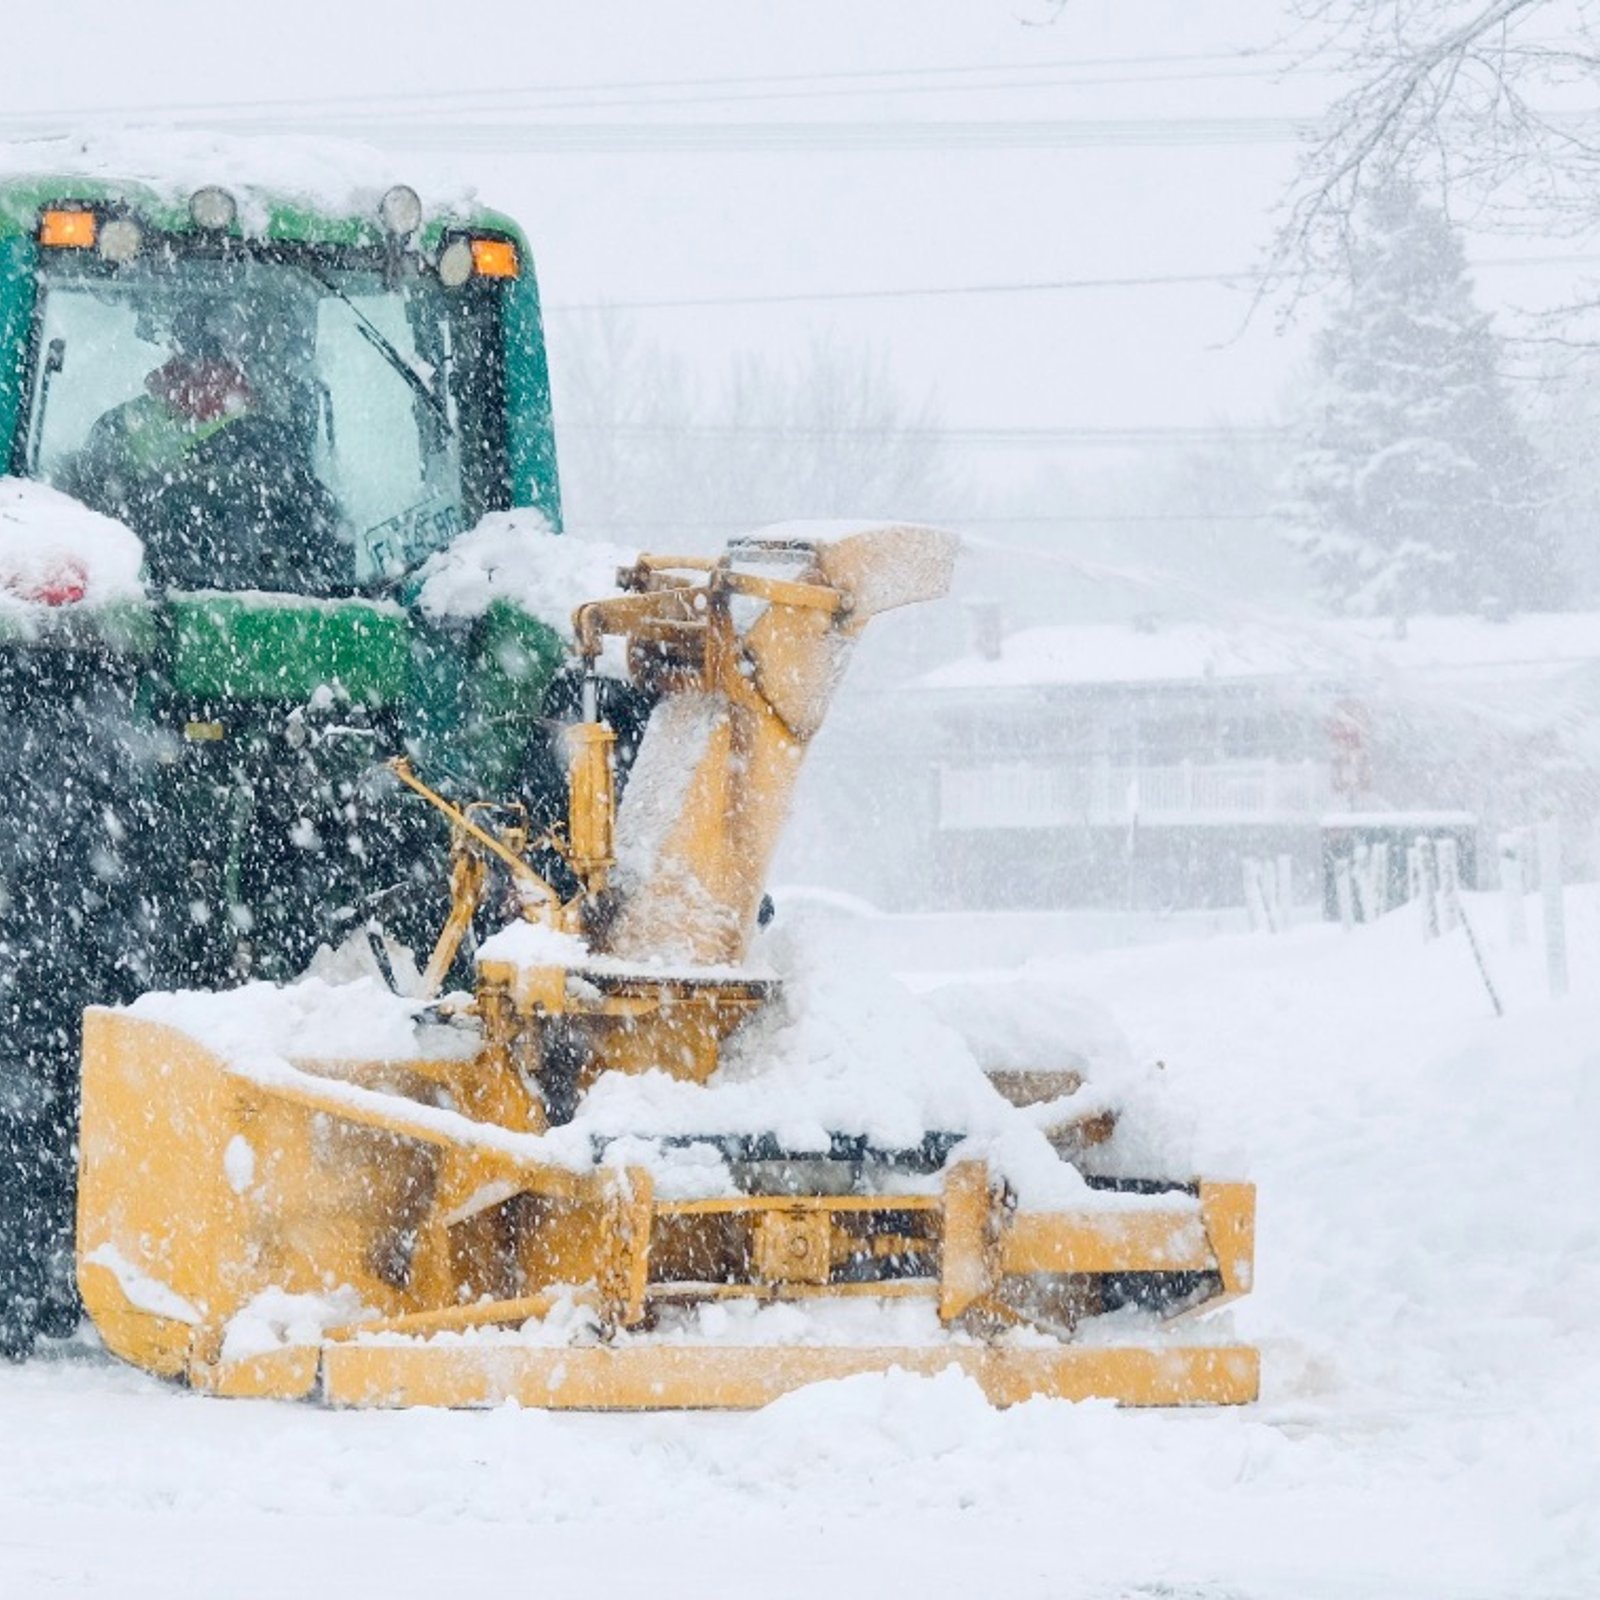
(1269, 895)
(1285, 890)
(1344, 893)
(1359, 891)
(1555, 909)
(1514, 884)
(1449, 865)
(1254, 910)
(1424, 885)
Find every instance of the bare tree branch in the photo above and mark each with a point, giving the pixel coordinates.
(1463, 99)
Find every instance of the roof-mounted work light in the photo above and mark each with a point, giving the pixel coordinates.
(213, 209)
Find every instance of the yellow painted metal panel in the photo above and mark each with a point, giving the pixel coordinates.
(968, 1269)
(801, 1202)
(287, 1374)
(1166, 1240)
(1229, 1212)
(643, 1378)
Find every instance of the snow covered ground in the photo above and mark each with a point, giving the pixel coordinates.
(1428, 1307)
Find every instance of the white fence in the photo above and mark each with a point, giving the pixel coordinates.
(1022, 794)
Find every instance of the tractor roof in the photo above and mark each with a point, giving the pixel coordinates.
(263, 213)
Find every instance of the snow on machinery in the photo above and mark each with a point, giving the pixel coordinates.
(442, 1220)
(296, 408)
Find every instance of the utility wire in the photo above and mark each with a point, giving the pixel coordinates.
(931, 291)
(531, 136)
(551, 100)
(1005, 437)
(1244, 276)
(1075, 518)
(781, 138)
(478, 96)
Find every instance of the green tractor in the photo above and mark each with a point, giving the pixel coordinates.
(293, 410)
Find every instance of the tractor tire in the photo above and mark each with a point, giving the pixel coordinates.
(68, 938)
(22, 1263)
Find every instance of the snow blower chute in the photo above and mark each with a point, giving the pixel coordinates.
(435, 1217)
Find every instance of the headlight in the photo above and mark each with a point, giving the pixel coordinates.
(455, 263)
(120, 239)
(213, 209)
(401, 210)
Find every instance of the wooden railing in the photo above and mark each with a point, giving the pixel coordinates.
(1021, 794)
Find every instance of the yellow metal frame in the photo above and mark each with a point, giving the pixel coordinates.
(443, 1224)
(704, 1378)
(422, 1187)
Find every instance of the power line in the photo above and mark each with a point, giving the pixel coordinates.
(479, 96)
(767, 96)
(1244, 276)
(1025, 286)
(1074, 518)
(1119, 517)
(539, 101)
(830, 136)
(1003, 437)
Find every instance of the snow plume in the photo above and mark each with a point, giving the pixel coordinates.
(54, 550)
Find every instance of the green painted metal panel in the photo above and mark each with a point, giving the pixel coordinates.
(515, 659)
(475, 695)
(530, 432)
(247, 648)
(16, 314)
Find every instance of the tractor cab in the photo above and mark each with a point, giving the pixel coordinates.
(271, 399)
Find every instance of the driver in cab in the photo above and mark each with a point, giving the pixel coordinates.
(221, 490)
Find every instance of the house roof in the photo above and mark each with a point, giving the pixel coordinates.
(1261, 648)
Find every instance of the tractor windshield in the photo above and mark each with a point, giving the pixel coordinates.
(260, 422)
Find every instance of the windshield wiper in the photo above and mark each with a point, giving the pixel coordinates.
(379, 340)
(55, 358)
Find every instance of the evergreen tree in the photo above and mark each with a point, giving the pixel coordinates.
(1415, 487)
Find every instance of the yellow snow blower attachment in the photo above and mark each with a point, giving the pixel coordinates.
(386, 1201)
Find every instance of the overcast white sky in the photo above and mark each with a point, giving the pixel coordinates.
(1139, 198)
(797, 149)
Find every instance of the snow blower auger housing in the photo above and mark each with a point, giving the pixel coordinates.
(443, 1222)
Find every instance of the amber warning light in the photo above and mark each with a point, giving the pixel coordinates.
(494, 258)
(73, 230)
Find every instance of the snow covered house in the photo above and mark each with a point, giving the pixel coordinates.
(1119, 764)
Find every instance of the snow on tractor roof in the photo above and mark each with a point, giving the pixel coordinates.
(303, 190)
